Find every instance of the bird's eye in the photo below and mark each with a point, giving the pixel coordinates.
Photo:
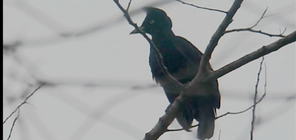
(151, 21)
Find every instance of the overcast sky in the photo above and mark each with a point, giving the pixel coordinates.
(101, 84)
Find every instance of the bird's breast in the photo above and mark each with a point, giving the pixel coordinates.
(176, 64)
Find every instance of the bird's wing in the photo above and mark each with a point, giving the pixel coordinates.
(189, 51)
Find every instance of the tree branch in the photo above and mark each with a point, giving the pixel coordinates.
(13, 124)
(216, 37)
(254, 55)
(262, 16)
(25, 101)
(200, 7)
(256, 31)
(255, 100)
(245, 110)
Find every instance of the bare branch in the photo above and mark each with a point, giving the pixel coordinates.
(265, 84)
(25, 101)
(200, 7)
(13, 124)
(255, 99)
(254, 55)
(282, 32)
(216, 37)
(174, 130)
(250, 29)
(219, 134)
(255, 31)
(240, 112)
(262, 16)
(128, 6)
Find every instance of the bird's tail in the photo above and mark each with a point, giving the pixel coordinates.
(206, 123)
(184, 122)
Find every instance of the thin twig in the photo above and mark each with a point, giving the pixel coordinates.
(128, 6)
(255, 31)
(232, 113)
(265, 72)
(13, 124)
(255, 100)
(282, 32)
(262, 16)
(174, 130)
(200, 7)
(25, 101)
(250, 29)
(219, 134)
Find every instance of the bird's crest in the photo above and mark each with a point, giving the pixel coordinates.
(153, 10)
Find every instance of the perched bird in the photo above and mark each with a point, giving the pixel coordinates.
(181, 58)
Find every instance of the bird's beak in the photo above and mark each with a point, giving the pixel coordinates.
(136, 31)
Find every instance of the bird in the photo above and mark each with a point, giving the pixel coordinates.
(181, 58)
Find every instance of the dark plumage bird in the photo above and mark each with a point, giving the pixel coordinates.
(182, 61)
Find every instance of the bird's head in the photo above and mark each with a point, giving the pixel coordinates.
(156, 21)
